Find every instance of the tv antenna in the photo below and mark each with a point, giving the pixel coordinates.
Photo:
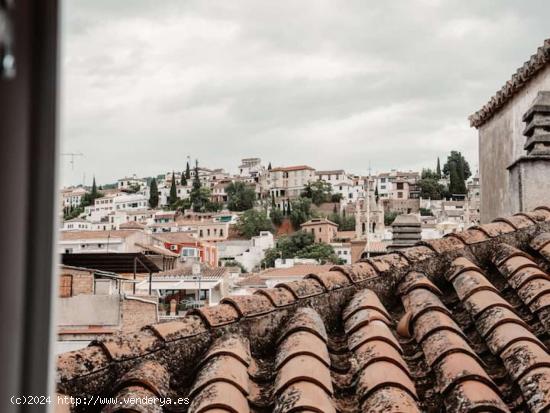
(72, 155)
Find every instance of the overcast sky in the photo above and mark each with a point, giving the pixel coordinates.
(331, 84)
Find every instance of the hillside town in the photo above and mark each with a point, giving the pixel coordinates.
(193, 236)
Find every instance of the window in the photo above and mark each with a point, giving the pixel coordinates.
(399, 185)
(400, 195)
(66, 286)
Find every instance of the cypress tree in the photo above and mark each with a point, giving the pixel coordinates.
(288, 209)
(438, 169)
(153, 194)
(183, 179)
(196, 179)
(173, 191)
(94, 190)
(187, 171)
(269, 166)
(272, 200)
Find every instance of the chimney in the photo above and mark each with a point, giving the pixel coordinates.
(537, 129)
(406, 231)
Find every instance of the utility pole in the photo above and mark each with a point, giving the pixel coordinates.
(72, 155)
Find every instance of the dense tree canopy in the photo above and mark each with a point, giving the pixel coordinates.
(318, 192)
(300, 245)
(300, 211)
(240, 196)
(458, 171)
(251, 222)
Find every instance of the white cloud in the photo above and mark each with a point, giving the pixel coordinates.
(332, 84)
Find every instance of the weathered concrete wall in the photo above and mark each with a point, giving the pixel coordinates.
(88, 310)
(534, 183)
(500, 143)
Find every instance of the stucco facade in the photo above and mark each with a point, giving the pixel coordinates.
(501, 143)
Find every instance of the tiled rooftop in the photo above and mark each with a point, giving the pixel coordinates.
(458, 324)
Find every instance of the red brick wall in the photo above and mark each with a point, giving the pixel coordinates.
(82, 280)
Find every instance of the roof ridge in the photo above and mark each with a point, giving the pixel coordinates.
(522, 75)
(333, 287)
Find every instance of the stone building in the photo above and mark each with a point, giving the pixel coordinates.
(322, 229)
(513, 141)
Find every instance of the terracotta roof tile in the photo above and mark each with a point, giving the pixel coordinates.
(148, 374)
(249, 305)
(522, 354)
(484, 300)
(390, 400)
(357, 272)
(305, 319)
(471, 395)
(383, 374)
(457, 367)
(327, 343)
(443, 245)
(303, 288)
(218, 315)
(365, 300)
(540, 241)
(302, 343)
(374, 331)
(494, 229)
(304, 396)
(119, 348)
(331, 280)
(415, 280)
(176, 330)
(279, 297)
(517, 221)
(220, 395)
(535, 386)
(470, 236)
(418, 253)
(388, 262)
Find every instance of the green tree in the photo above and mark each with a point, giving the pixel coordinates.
(240, 196)
(273, 205)
(389, 217)
(183, 180)
(322, 252)
(456, 184)
(187, 172)
(276, 216)
(430, 188)
(462, 166)
(153, 194)
(318, 192)
(300, 211)
(172, 199)
(251, 222)
(269, 166)
(94, 192)
(199, 195)
(300, 245)
(438, 169)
